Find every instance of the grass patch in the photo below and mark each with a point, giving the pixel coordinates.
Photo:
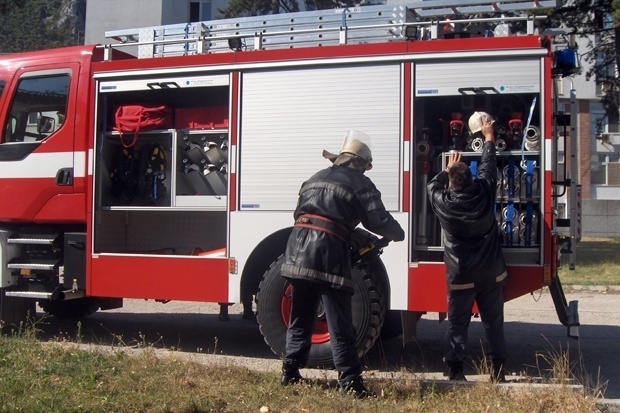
(598, 263)
(43, 377)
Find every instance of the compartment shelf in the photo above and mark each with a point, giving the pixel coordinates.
(198, 180)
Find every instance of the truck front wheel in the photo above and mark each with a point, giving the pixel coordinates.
(274, 304)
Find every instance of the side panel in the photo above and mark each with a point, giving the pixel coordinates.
(282, 138)
(290, 116)
(162, 278)
(429, 292)
(471, 77)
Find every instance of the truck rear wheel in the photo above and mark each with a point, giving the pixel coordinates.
(274, 303)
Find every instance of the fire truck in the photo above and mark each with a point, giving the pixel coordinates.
(199, 206)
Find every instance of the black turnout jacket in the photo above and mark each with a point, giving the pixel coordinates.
(472, 239)
(345, 197)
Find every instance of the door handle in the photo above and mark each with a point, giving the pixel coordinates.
(64, 177)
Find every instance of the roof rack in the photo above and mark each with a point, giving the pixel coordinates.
(365, 24)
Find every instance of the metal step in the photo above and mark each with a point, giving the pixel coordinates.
(30, 294)
(40, 264)
(39, 239)
(43, 295)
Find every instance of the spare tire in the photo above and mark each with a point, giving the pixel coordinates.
(368, 308)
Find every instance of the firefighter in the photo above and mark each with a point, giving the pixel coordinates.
(475, 267)
(318, 259)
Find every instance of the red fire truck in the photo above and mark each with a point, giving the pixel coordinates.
(195, 203)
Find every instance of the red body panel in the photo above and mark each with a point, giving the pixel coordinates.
(428, 293)
(69, 208)
(159, 277)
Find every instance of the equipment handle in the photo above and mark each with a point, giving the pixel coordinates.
(380, 243)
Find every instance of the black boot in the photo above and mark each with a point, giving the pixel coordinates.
(291, 375)
(356, 388)
(498, 375)
(455, 372)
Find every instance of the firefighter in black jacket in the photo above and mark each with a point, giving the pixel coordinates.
(475, 267)
(318, 258)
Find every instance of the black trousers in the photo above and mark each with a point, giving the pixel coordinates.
(306, 298)
(491, 306)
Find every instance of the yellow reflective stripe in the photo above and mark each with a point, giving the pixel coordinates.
(467, 286)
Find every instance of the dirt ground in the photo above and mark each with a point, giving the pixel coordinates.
(533, 334)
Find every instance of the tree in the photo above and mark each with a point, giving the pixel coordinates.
(8, 5)
(245, 8)
(597, 21)
(41, 24)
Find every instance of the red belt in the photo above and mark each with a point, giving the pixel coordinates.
(321, 223)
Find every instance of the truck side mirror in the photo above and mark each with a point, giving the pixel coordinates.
(46, 124)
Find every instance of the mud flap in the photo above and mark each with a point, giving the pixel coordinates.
(567, 312)
(15, 311)
(409, 320)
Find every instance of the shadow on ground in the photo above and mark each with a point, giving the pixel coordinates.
(530, 345)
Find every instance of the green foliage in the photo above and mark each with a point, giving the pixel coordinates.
(597, 21)
(245, 8)
(41, 24)
(8, 5)
(598, 263)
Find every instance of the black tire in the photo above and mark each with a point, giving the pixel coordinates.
(70, 309)
(368, 308)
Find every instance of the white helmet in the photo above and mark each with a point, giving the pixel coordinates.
(475, 121)
(355, 143)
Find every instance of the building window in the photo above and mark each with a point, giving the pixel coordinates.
(605, 169)
(199, 11)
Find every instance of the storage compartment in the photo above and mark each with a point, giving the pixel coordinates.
(136, 176)
(202, 164)
(442, 104)
(144, 203)
(164, 231)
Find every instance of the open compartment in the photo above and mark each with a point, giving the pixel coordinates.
(442, 107)
(202, 167)
(143, 204)
(136, 176)
(164, 231)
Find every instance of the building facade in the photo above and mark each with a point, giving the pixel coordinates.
(106, 15)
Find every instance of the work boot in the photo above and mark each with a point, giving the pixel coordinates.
(498, 375)
(455, 373)
(291, 375)
(356, 388)
(248, 315)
